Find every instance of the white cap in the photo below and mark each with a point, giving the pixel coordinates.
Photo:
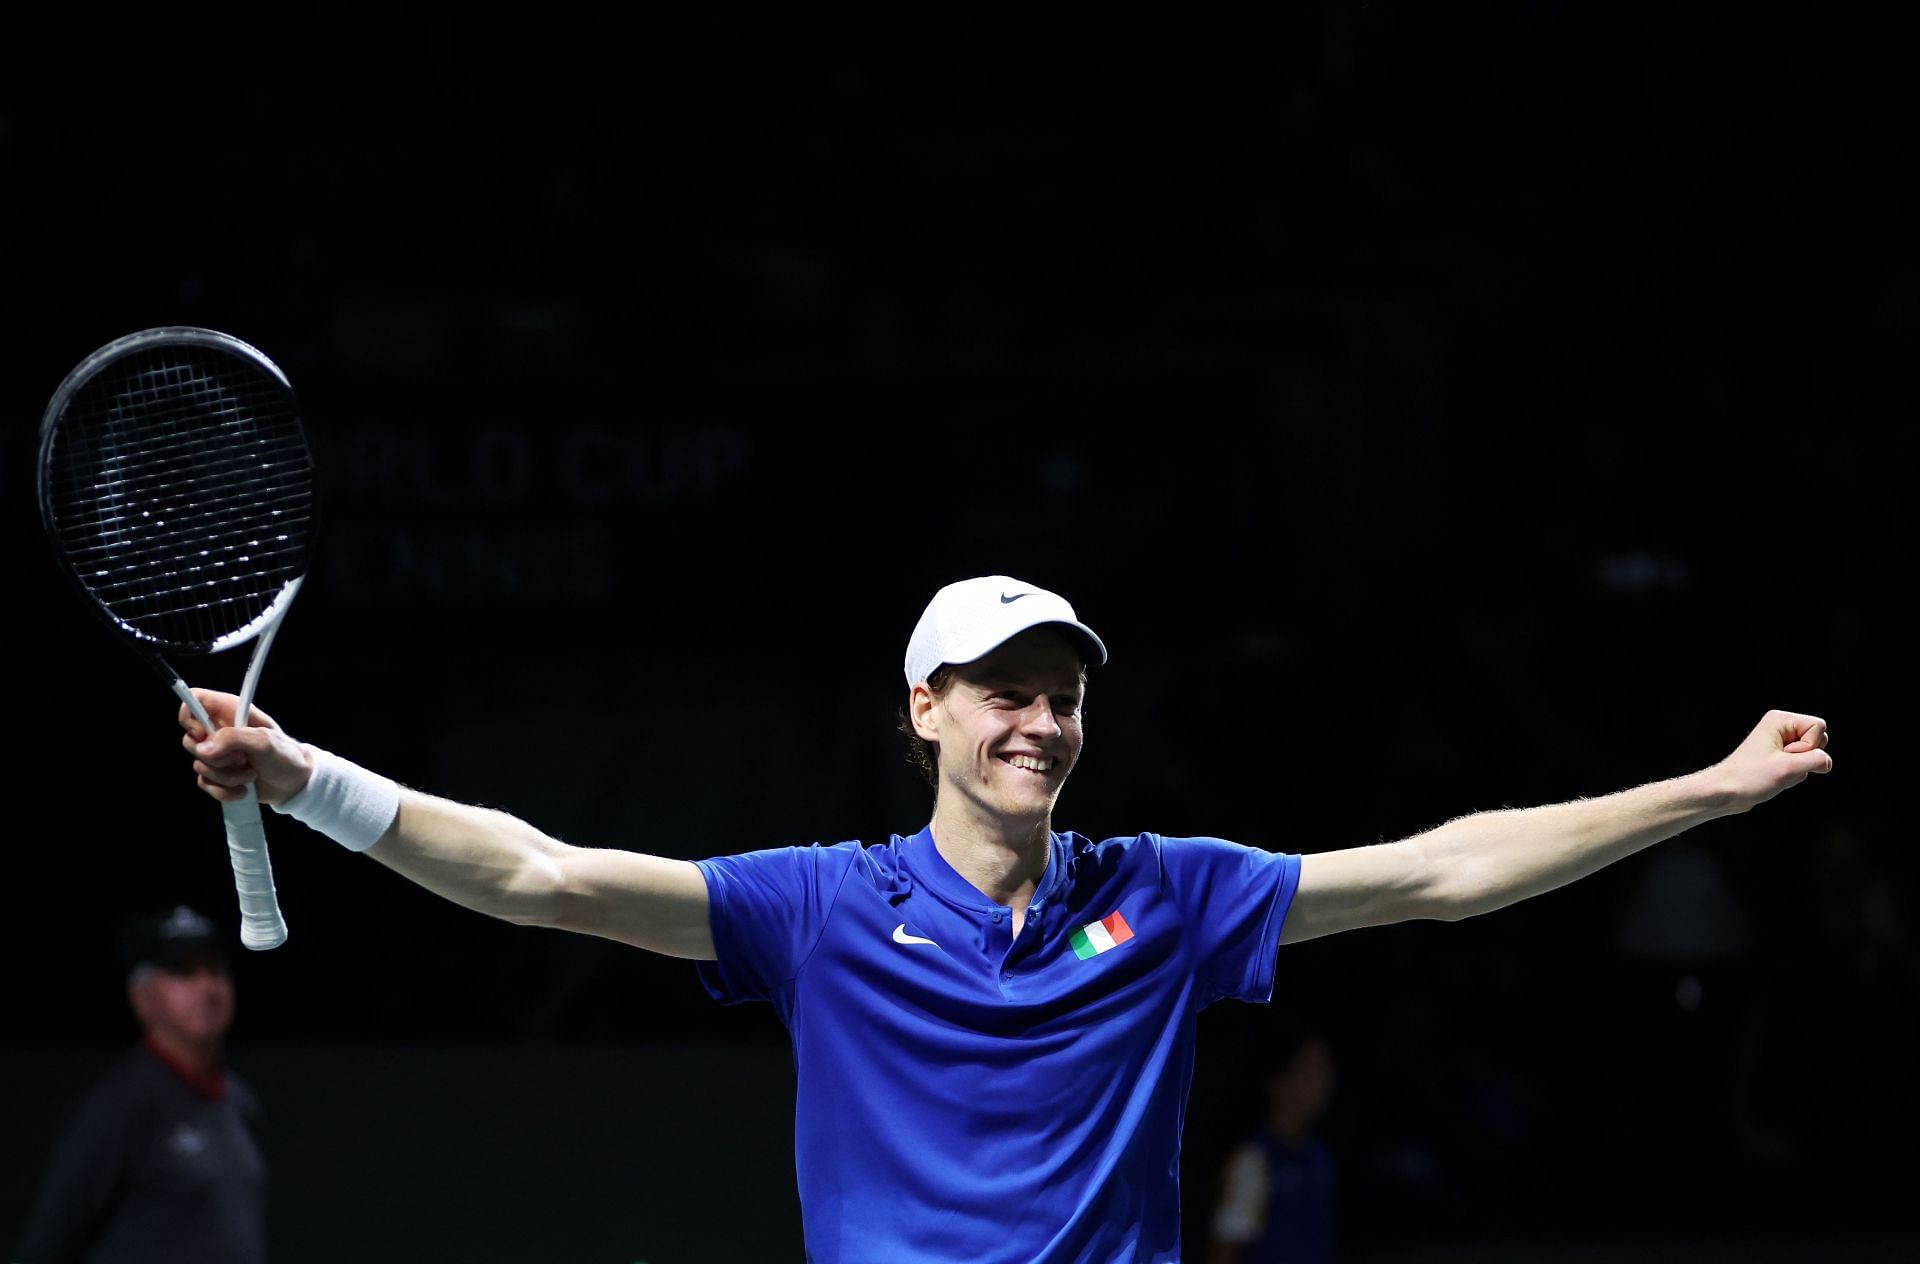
(971, 618)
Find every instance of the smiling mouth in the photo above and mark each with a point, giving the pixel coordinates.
(1029, 763)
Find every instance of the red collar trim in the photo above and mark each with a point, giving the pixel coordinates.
(213, 1087)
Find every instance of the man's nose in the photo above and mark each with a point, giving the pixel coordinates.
(1039, 718)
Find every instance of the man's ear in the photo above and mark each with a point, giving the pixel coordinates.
(921, 709)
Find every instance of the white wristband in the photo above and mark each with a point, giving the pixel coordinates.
(344, 801)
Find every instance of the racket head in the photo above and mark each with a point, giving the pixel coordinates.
(177, 487)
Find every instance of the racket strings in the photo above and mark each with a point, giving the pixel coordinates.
(182, 493)
(101, 537)
(133, 474)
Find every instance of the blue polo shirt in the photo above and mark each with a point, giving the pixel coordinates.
(964, 1095)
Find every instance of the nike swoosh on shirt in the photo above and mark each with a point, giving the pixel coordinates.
(900, 936)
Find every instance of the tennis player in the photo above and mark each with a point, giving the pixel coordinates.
(993, 1022)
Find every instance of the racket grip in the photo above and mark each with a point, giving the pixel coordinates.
(261, 925)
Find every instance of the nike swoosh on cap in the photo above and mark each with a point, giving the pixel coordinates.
(900, 936)
(1007, 601)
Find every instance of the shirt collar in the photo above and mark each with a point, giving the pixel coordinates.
(924, 862)
(213, 1086)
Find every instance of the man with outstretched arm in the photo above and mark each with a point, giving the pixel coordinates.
(993, 1022)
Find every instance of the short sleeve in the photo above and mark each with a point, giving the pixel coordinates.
(767, 910)
(1233, 899)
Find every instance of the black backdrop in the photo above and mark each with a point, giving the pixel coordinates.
(1433, 411)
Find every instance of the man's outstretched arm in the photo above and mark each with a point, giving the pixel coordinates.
(486, 860)
(1486, 861)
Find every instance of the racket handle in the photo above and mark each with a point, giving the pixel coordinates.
(261, 925)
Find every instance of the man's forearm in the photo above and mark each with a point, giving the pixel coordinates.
(1492, 859)
(1475, 864)
(481, 858)
(484, 859)
(495, 863)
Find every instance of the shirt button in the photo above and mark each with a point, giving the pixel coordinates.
(999, 914)
(1007, 974)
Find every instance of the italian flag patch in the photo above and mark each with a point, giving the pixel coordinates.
(1096, 937)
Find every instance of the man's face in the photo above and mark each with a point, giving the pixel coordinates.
(193, 1004)
(1303, 1087)
(1009, 727)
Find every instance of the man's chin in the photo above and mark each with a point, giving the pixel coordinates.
(1028, 808)
(1019, 805)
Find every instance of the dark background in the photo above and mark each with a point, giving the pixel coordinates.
(1433, 410)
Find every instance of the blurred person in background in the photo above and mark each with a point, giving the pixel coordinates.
(1669, 1098)
(1837, 1036)
(161, 1162)
(1276, 1201)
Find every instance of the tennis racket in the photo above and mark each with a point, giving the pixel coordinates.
(177, 487)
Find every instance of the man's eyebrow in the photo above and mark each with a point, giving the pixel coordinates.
(1008, 682)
